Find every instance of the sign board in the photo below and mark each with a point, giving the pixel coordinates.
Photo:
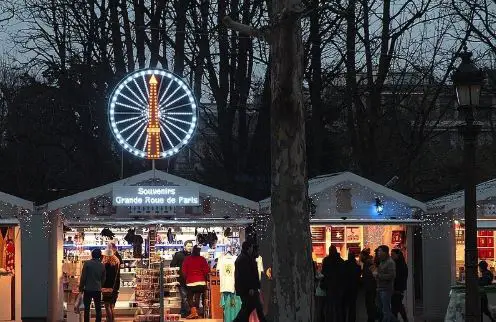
(129, 196)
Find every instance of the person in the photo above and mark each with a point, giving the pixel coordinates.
(351, 280)
(91, 281)
(400, 284)
(485, 279)
(385, 274)
(332, 269)
(369, 284)
(258, 259)
(247, 284)
(114, 249)
(177, 261)
(195, 270)
(320, 294)
(112, 267)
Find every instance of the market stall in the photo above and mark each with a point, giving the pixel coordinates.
(14, 214)
(353, 213)
(446, 242)
(79, 223)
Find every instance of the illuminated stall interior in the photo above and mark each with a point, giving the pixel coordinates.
(353, 213)
(146, 236)
(446, 241)
(13, 210)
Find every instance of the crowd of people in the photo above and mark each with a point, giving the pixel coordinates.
(383, 278)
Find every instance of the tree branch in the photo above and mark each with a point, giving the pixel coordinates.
(262, 32)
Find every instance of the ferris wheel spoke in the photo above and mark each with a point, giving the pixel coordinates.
(131, 100)
(131, 126)
(166, 135)
(146, 141)
(177, 127)
(141, 92)
(140, 136)
(129, 106)
(128, 113)
(136, 130)
(170, 96)
(163, 108)
(177, 99)
(178, 113)
(130, 119)
(165, 92)
(162, 147)
(178, 120)
(171, 131)
(146, 85)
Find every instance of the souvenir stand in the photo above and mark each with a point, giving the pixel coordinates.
(446, 243)
(91, 219)
(15, 222)
(353, 213)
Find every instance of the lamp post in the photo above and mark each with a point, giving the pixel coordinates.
(468, 80)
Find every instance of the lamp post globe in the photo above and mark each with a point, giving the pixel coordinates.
(468, 80)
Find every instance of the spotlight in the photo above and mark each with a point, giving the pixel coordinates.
(379, 207)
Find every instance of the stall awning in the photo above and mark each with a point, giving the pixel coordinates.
(220, 222)
(9, 222)
(485, 223)
(372, 221)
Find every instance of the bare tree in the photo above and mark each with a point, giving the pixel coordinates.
(293, 282)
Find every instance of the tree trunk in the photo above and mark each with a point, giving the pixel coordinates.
(181, 7)
(127, 36)
(115, 29)
(292, 260)
(316, 90)
(139, 11)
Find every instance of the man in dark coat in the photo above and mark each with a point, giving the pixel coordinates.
(177, 261)
(247, 284)
(351, 280)
(332, 269)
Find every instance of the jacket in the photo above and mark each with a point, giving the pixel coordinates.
(332, 269)
(112, 269)
(486, 278)
(246, 274)
(386, 273)
(92, 276)
(400, 281)
(195, 269)
(118, 281)
(369, 282)
(177, 261)
(351, 276)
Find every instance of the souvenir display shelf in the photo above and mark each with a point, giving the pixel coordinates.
(139, 294)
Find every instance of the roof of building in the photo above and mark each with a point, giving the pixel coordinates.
(146, 176)
(321, 183)
(485, 190)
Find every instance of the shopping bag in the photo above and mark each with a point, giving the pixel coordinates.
(254, 316)
(79, 304)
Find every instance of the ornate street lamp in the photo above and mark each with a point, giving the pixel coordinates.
(468, 80)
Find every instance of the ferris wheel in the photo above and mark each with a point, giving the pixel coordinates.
(153, 113)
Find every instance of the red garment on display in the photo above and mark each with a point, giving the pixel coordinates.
(10, 256)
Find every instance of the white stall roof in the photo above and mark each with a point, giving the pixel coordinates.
(14, 201)
(148, 175)
(321, 183)
(485, 191)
